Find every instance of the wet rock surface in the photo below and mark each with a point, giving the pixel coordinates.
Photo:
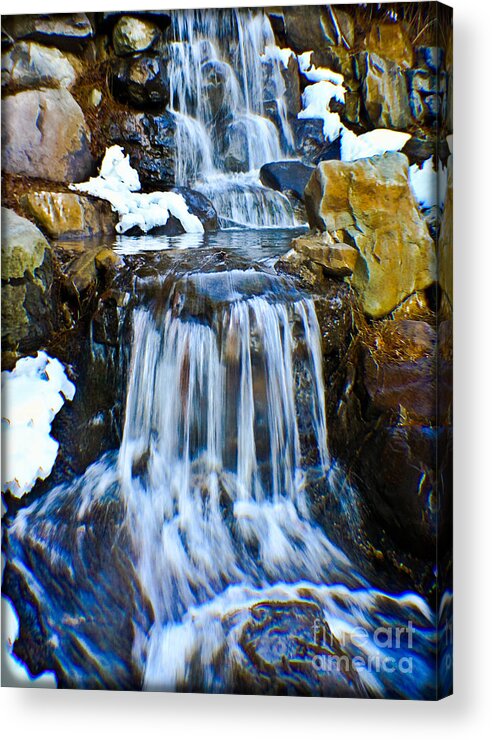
(68, 215)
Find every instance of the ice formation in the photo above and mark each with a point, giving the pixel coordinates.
(33, 393)
(119, 184)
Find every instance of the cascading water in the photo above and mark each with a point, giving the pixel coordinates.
(191, 554)
(223, 75)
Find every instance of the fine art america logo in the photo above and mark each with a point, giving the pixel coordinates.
(385, 649)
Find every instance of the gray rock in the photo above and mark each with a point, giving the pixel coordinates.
(64, 30)
(28, 66)
(132, 35)
(291, 175)
(45, 136)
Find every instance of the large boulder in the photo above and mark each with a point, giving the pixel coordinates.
(315, 27)
(200, 206)
(27, 274)
(290, 175)
(69, 215)
(369, 205)
(44, 135)
(131, 35)
(140, 80)
(65, 30)
(28, 66)
(384, 92)
(151, 143)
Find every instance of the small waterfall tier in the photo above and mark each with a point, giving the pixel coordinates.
(227, 93)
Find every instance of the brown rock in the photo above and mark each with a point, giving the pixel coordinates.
(64, 30)
(131, 35)
(391, 41)
(384, 92)
(336, 260)
(369, 205)
(445, 244)
(68, 215)
(44, 135)
(27, 66)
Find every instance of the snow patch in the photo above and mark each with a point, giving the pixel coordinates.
(118, 183)
(33, 393)
(14, 667)
(316, 104)
(428, 184)
(317, 74)
(370, 144)
(276, 54)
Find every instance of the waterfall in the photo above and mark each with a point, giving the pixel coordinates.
(223, 76)
(153, 567)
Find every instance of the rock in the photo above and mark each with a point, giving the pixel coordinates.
(68, 215)
(399, 369)
(236, 156)
(27, 274)
(151, 143)
(390, 41)
(200, 206)
(140, 80)
(310, 142)
(216, 82)
(428, 95)
(316, 27)
(418, 150)
(384, 92)
(95, 98)
(336, 260)
(131, 35)
(369, 205)
(445, 244)
(429, 57)
(64, 30)
(291, 175)
(27, 66)
(45, 136)
(106, 259)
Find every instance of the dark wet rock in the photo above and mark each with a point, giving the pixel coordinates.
(67, 31)
(418, 149)
(141, 80)
(200, 206)
(310, 142)
(428, 95)
(44, 135)
(87, 605)
(216, 77)
(429, 57)
(28, 66)
(291, 175)
(150, 141)
(28, 307)
(131, 35)
(284, 653)
(236, 157)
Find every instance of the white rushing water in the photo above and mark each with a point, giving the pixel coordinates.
(224, 70)
(213, 475)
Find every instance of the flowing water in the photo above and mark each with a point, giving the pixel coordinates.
(188, 556)
(223, 78)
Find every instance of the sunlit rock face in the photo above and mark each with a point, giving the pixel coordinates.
(369, 204)
(45, 136)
